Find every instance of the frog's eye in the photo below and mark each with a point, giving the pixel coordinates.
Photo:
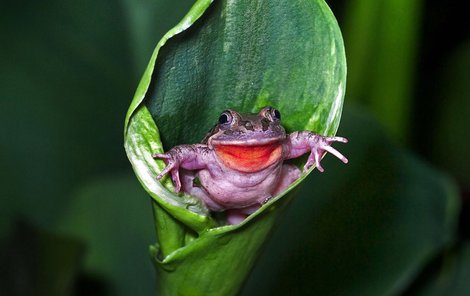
(274, 114)
(225, 118)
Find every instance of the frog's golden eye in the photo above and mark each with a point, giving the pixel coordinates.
(225, 117)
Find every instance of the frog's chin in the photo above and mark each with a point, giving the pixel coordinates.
(249, 158)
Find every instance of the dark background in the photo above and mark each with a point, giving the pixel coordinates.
(73, 218)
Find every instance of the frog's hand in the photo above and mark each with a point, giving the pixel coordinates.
(190, 157)
(172, 166)
(299, 143)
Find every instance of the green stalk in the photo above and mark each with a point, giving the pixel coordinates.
(381, 38)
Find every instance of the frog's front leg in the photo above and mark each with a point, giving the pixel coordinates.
(299, 143)
(189, 157)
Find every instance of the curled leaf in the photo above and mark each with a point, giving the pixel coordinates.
(244, 55)
(241, 55)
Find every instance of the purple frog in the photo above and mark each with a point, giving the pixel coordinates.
(240, 163)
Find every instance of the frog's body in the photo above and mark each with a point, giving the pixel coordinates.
(240, 163)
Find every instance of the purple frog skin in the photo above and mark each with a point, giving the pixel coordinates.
(240, 163)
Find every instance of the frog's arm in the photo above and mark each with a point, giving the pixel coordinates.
(299, 143)
(189, 157)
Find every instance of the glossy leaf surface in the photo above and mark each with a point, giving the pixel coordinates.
(246, 55)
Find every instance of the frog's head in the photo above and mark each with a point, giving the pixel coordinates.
(248, 142)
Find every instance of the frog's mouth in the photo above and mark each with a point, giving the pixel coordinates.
(249, 158)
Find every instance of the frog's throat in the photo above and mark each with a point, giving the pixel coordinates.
(248, 158)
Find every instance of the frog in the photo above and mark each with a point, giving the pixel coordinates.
(241, 163)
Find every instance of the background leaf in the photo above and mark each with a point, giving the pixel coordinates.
(451, 146)
(105, 214)
(64, 88)
(36, 262)
(382, 42)
(372, 226)
(448, 276)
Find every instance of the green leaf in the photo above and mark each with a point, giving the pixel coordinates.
(237, 56)
(61, 103)
(36, 262)
(450, 143)
(243, 55)
(382, 38)
(449, 277)
(111, 216)
(367, 229)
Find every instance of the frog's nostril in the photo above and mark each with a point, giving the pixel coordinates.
(265, 124)
(248, 125)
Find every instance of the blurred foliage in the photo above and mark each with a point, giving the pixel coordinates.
(36, 262)
(381, 40)
(64, 87)
(448, 276)
(114, 216)
(369, 229)
(68, 72)
(451, 146)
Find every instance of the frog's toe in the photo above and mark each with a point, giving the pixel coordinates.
(337, 139)
(175, 176)
(162, 174)
(161, 155)
(314, 158)
(170, 166)
(336, 153)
